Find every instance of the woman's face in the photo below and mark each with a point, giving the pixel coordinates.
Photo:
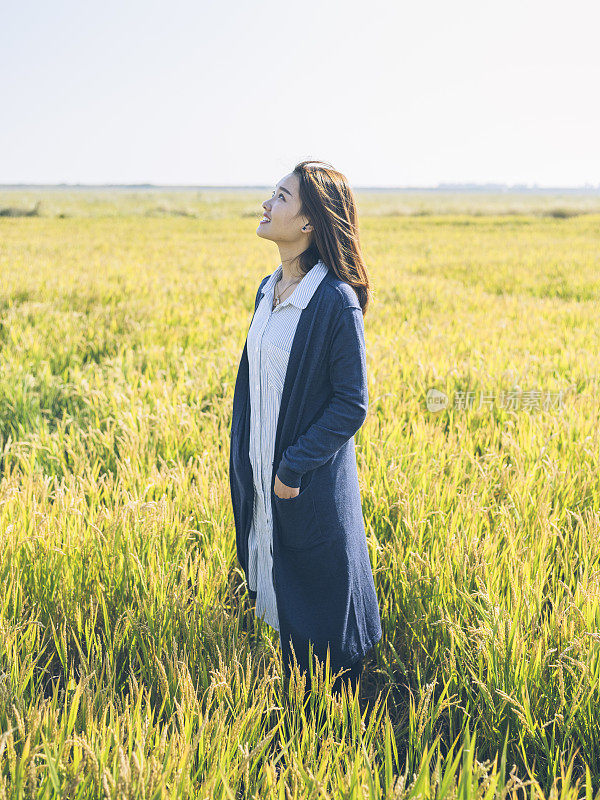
(281, 222)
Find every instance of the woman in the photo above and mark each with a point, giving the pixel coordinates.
(300, 396)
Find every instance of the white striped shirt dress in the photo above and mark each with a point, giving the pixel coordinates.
(269, 343)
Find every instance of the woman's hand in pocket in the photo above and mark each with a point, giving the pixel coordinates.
(285, 492)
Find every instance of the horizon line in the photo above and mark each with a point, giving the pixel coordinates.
(439, 187)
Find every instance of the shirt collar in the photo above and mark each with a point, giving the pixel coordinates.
(304, 290)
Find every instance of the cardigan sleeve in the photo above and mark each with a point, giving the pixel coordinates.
(347, 409)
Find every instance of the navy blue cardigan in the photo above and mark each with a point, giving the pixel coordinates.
(321, 569)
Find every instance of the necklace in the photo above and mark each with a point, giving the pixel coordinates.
(277, 300)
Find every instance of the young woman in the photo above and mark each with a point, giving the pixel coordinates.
(299, 398)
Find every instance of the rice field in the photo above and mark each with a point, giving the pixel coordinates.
(131, 661)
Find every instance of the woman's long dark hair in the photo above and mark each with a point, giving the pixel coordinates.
(327, 200)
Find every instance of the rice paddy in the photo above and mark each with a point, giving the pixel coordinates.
(131, 661)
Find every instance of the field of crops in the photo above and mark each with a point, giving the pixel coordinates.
(131, 662)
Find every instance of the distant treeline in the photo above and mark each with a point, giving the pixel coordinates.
(441, 187)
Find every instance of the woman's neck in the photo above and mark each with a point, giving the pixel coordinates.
(286, 277)
(290, 263)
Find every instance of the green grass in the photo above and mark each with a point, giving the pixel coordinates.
(131, 663)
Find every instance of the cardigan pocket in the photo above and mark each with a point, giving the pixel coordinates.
(299, 524)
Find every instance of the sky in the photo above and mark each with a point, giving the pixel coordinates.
(236, 93)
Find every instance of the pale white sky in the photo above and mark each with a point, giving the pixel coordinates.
(391, 93)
